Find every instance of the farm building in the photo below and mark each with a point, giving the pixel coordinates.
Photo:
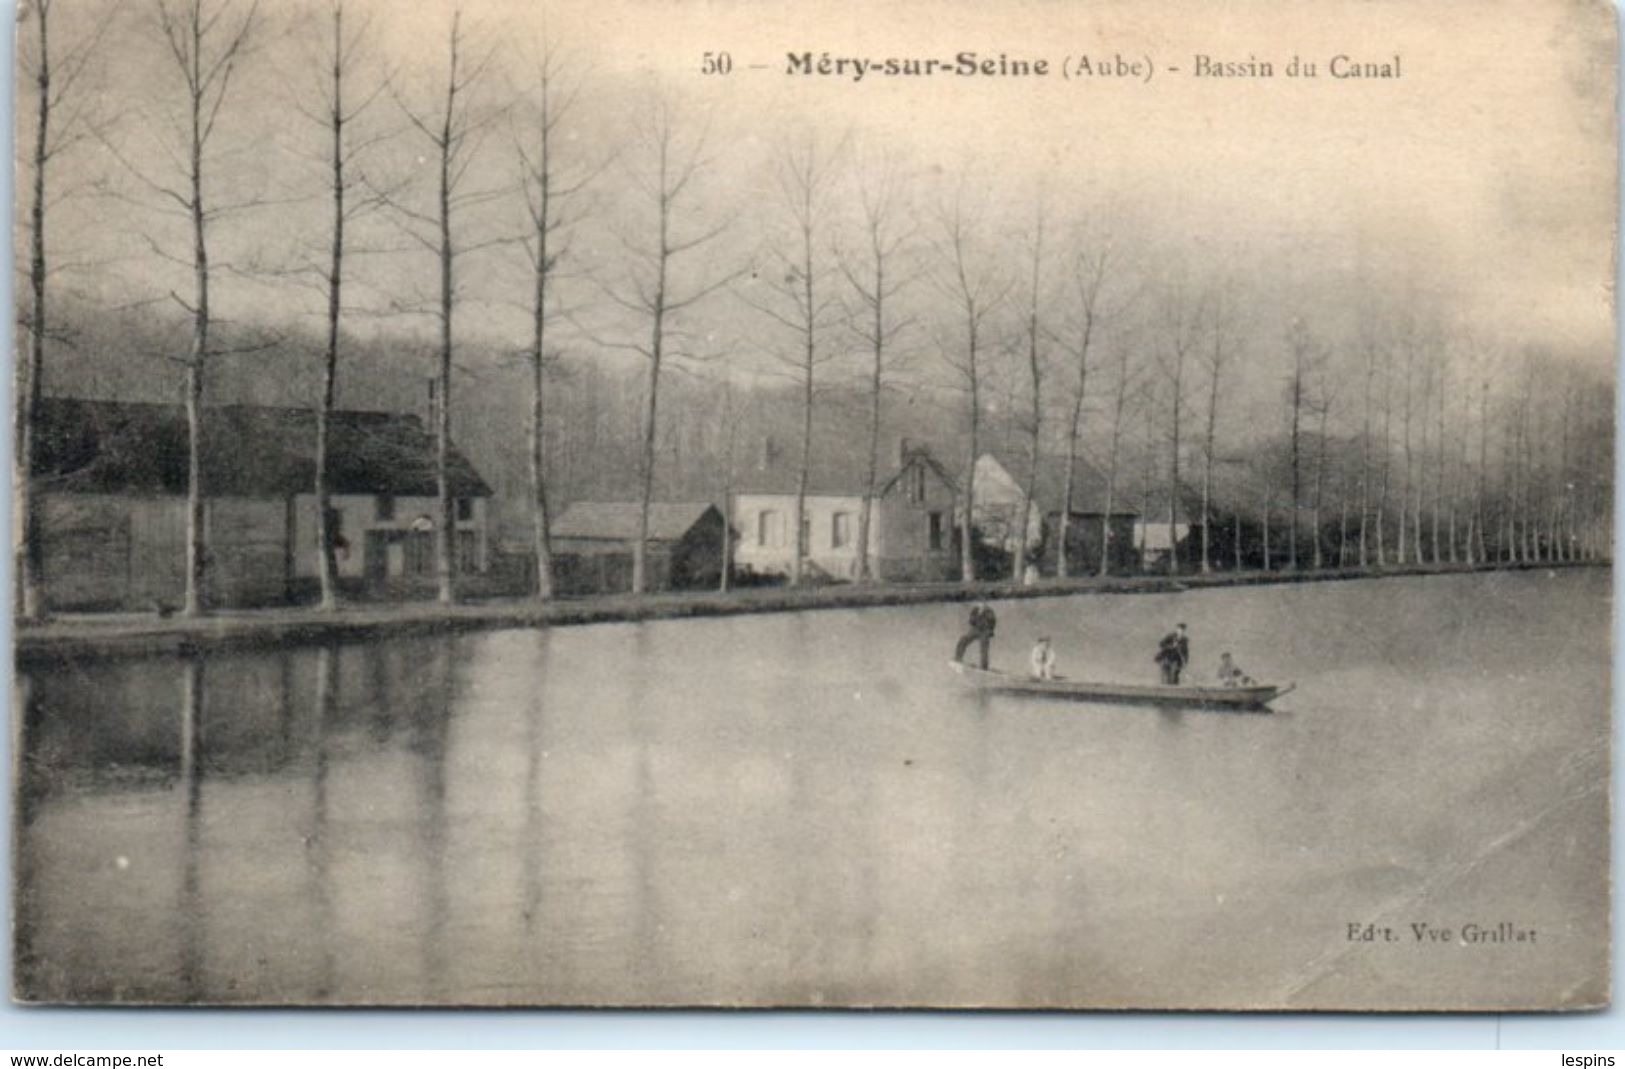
(111, 479)
(592, 546)
(911, 532)
(1000, 489)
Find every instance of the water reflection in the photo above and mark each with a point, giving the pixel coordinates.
(792, 809)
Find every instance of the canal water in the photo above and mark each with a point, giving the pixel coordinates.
(810, 809)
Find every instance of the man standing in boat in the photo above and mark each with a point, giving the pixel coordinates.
(1173, 654)
(980, 630)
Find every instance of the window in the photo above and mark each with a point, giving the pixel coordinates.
(769, 528)
(916, 483)
(384, 508)
(840, 532)
(804, 546)
(936, 530)
(465, 509)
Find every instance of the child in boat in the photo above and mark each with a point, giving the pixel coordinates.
(1043, 659)
(1230, 673)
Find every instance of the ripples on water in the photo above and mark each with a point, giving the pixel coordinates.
(805, 809)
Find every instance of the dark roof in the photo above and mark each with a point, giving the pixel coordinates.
(618, 520)
(828, 476)
(1049, 491)
(248, 450)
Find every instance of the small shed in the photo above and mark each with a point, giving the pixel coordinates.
(592, 546)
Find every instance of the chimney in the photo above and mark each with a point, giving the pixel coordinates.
(905, 449)
(770, 453)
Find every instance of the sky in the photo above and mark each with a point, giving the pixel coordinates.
(1476, 191)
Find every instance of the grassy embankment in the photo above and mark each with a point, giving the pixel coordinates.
(72, 637)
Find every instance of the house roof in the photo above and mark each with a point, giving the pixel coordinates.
(836, 477)
(1049, 489)
(248, 450)
(618, 520)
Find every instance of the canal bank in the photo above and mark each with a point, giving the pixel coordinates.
(93, 637)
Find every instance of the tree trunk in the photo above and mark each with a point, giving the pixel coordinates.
(1111, 470)
(1173, 479)
(967, 560)
(1063, 565)
(446, 529)
(26, 535)
(196, 536)
(1320, 484)
(872, 473)
(326, 551)
(1207, 458)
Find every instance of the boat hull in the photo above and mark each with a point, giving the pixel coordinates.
(1254, 697)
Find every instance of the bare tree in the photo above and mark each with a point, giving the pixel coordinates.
(728, 412)
(453, 127)
(1034, 421)
(1123, 384)
(1214, 361)
(971, 284)
(1182, 324)
(871, 272)
(1365, 451)
(1306, 353)
(60, 122)
(798, 281)
(336, 113)
(1387, 453)
(1089, 270)
(1321, 405)
(547, 191)
(1406, 490)
(206, 42)
(649, 290)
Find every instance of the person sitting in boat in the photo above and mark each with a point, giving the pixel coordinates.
(1043, 659)
(1173, 654)
(980, 630)
(1230, 673)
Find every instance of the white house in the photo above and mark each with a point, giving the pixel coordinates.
(911, 532)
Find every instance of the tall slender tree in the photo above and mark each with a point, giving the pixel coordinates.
(1215, 358)
(548, 190)
(452, 126)
(339, 105)
(1305, 353)
(971, 284)
(1033, 423)
(1123, 386)
(1183, 317)
(60, 116)
(663, 166)
(872, 271)
(206, 43)
(1089, 271)
(805, 303)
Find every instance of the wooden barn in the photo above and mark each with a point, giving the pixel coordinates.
(1001, 481)
(592, 546)
(111, 479)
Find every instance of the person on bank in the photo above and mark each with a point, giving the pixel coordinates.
(1230, 673)
(1173, 654)
(980, 630)
(1043, 659)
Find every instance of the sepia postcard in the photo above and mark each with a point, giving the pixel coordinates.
(1053, 505)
